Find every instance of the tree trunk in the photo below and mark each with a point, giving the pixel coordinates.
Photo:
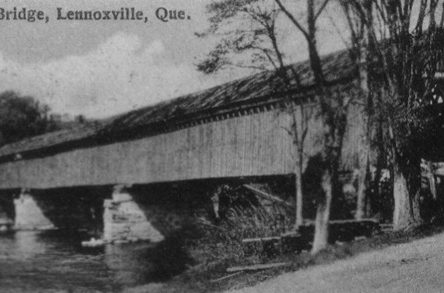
(361, 196)
(299, 196)
(431, 179)
(320, 240)
(362, 183)
(377, 202)
(406, 189)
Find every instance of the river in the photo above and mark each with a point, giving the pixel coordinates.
(54, 261)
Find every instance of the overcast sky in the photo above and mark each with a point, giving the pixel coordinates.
(103, 68)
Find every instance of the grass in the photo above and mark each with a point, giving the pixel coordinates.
(201, 278)
(215, 247)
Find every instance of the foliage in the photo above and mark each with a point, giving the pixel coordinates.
(404, 44)
(242, 216)
(247, 36)
(22, 116)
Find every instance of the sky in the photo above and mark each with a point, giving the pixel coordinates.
(103, 68)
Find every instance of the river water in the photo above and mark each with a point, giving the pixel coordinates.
(54, 261)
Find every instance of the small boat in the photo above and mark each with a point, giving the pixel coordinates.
(93, 242)
(6, 226)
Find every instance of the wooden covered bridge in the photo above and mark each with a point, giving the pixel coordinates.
(235, 130)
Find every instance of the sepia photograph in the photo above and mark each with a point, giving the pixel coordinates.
(234, 146)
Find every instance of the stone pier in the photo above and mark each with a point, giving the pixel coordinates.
(125, 221)
(28, 214)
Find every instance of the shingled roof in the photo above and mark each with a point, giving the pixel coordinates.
(259, 87)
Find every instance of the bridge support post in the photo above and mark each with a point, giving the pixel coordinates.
(28, 214)
(125, 221)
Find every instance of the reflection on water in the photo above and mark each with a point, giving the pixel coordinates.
(54, 260)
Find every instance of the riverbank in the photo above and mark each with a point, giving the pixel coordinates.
(212, 277)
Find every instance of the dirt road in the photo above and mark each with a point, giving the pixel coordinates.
(417, 266)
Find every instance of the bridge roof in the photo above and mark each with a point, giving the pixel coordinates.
(262, 87)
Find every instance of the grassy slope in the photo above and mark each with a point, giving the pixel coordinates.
(201, 278)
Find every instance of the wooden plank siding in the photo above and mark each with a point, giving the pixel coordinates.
(249, 145)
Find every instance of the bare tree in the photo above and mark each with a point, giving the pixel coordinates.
(333, 107)
(405, 44)
(359, 56)
(257, 42)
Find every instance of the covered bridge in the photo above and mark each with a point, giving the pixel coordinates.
(237, 129)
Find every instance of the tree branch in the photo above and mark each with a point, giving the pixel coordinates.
(292, 18)
(324, 4)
